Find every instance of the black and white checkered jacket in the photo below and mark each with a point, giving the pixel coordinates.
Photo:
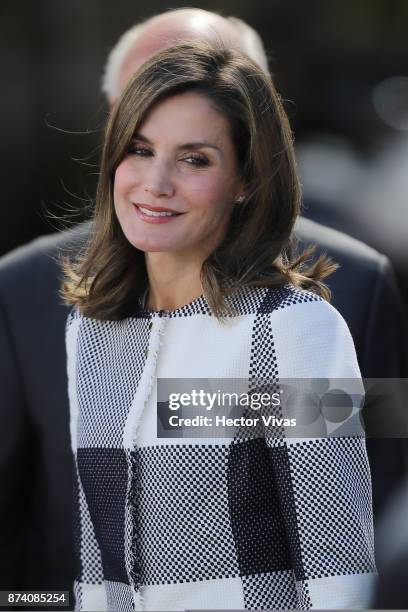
(176, 523)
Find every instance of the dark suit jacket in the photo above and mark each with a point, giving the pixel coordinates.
(392, 588)
(35, 507)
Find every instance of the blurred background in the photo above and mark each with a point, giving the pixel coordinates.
(342, 68)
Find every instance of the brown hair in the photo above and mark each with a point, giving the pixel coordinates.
(106, 279)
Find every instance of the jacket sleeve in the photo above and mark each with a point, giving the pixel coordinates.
(323, 475)
(385, 343)
(384, 354)
(14, 465)
(89, 589)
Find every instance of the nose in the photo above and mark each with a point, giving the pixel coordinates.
(159, 181)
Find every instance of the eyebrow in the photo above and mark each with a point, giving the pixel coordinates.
(186, 145)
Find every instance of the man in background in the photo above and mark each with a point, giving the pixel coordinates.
(35, 455)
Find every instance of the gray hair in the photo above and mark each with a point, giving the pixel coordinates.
(251, 45)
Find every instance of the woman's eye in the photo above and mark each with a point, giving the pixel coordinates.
(139, 150)
(196, 160)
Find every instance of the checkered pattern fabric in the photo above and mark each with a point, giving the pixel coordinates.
(251, 522)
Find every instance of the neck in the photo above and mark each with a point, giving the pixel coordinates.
(172, 281)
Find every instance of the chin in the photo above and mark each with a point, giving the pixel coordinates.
(150, 246)
(152, 242)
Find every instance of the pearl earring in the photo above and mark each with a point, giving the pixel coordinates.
(240, 200)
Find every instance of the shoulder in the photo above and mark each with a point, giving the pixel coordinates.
(285, 298)
(340, 245)
(311, 337)
(291, 308)
(39, 257)
(30, 278)
(93, 335)
(365, 281)
(302, 312)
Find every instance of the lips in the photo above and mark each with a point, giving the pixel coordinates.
(157, 214)
(156, 209)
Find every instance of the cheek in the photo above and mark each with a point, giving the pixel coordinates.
(209, 192)
(121, 188)
(124, 180)
(216, 201)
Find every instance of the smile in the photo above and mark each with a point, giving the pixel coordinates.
(152, 213)
(155, 216)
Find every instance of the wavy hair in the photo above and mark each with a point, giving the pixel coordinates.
(108, 276)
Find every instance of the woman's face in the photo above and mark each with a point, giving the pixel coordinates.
(176, 187)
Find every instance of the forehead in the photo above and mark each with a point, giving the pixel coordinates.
(186, 117)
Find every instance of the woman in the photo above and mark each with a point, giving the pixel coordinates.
(189, 275)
